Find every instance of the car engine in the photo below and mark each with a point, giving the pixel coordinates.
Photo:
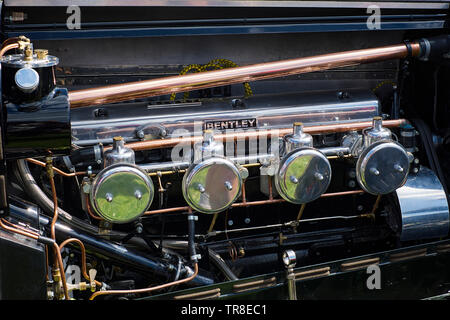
(176, 165)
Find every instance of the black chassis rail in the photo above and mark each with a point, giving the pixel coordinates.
(414, 272)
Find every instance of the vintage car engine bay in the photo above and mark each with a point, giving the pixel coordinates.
(210, 165)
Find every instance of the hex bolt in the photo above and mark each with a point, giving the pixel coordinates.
(293, 179)
(351, 183)
(230, 222)
(374, 171)
(398, 168)
(247, 220)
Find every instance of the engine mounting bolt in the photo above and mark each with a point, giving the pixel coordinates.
(109, 197)
(374, 171)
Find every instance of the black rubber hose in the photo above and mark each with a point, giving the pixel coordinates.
(105, 248)
(191, 238)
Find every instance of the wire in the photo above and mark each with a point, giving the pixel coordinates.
(215, 64)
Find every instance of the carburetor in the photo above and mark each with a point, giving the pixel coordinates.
(383, 164)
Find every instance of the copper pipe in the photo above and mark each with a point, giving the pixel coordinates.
(244, 197)
(210, 79)
(42, 164)
(55, 208)
(257, 203)
(343, 193)
(18, 231)
(89, 210)
(9, 41)
(19, 227)
(147, 290)
(332, 128)
(58, 258)
(83, 257)
(60, 263)
(8, 47)
(167, 210)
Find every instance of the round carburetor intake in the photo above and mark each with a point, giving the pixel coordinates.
(382, 167)
(121, 193)
(303, 175)
(212, 185)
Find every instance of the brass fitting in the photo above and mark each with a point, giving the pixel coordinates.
(41, 54)
(49, 167)
(28, 52)
(56, 275)
(23, 42)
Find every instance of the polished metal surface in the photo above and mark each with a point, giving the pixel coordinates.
(303, 175)
(18, 61)
(382, 167)
(180, 120)
(297, 139)
(208, 147)
(212, 185)
(27, 79)
(376, 133)
(424, 207)
(233, 3)
(217, 78)
(289, 258)
(119, 153)
(121, 193)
